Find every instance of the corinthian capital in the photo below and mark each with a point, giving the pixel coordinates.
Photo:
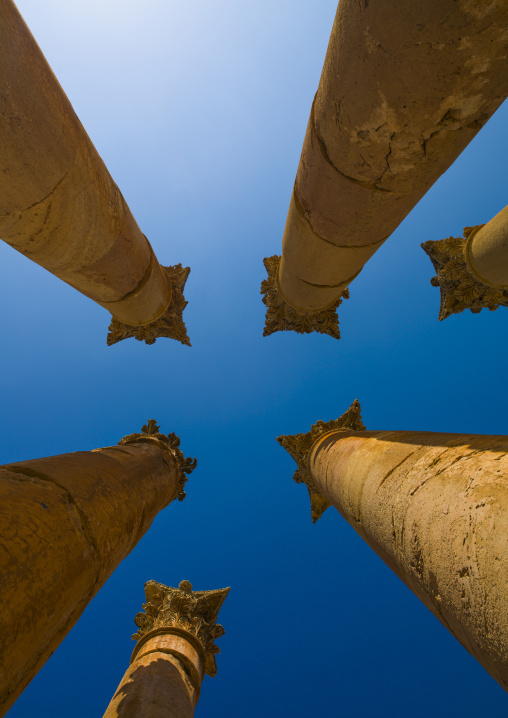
(170, 324)
(460, 287)
(194, 612)
(282, 316)
(299, 447)
(169, 442)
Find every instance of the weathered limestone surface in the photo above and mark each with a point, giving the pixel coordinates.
(175, 648)
(60, 207)
(472, 271)
(66, 522)
(405, 87)
(434, 507)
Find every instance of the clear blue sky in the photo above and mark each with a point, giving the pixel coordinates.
(199, 110)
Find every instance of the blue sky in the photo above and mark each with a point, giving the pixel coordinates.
(199, 111)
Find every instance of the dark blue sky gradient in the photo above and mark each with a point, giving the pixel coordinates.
(199, 110)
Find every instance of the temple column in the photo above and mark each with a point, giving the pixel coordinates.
(405, 87)
(175, 648)
(472, 271)
(433, 506)
(66, 522)
(60, 207)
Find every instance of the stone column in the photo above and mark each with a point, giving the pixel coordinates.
(66, 522)
(434, 507)
(60, 207)
(175, 648)
(405, 87)
(472, 271)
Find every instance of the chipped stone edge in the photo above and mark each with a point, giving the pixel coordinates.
(170, 324)
(282, 316)
(168, 442)
(460, 289)
(299, 446)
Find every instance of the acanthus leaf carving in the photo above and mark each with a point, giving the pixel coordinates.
(169, 442)
(460, 289)
(282, 316)
(195, 612)
(170, 324)
(299, 447)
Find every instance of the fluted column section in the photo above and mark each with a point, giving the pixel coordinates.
(405, 87)
(175, 648)
(66, 522)
(60, 207)
(434, 507)
(472, 271)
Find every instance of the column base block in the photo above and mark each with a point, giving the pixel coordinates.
(170, 324)
(282, 316)
(459, 288)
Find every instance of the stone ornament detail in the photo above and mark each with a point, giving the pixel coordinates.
(170, 324)
(460, 289)
(169, 442)
(193, 611)
(282, 316)
(299, 447)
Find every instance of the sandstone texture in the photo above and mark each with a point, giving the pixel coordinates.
(434, 507)
(157, 684)
(66, 522)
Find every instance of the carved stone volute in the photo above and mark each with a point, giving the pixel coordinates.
(460, 288)
(170, 324)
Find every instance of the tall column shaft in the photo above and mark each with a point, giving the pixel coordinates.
(174, 651)
(472, 271)
(405, 87)
(59, 205)
(66, 522)
(434, 507)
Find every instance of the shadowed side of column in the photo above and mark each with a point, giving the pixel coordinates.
(405, 87)
(167, 691)
(66, 522)
(60, 207)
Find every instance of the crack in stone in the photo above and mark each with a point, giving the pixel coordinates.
(144, 279)
(390, 472)
(387, 158)
(39, 201)
(361, 183)
(345, 282)
(85, 521)
(301, 212)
